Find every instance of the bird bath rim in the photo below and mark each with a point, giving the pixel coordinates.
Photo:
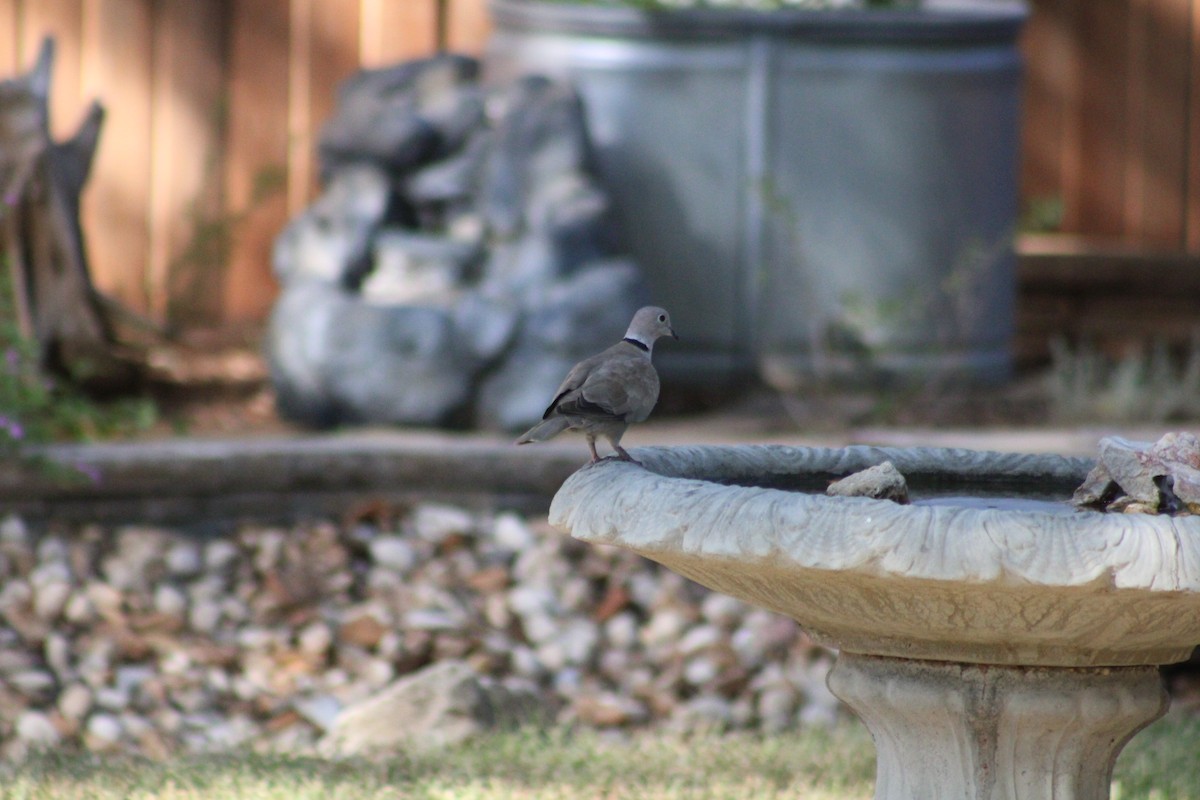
(931, 582)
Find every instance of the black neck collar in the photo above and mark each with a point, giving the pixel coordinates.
(639, 345)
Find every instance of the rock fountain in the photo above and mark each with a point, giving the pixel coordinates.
(997, 642)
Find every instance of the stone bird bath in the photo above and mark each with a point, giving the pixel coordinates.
(996, 644)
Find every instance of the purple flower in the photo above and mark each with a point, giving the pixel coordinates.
(13, 427)
(12, 358)
(89, 471)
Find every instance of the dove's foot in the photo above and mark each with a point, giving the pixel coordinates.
(622, 455)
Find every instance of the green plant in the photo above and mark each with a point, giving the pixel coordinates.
(1151, 384)
(36, 408)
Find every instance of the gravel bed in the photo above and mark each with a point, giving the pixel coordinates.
(149, 640)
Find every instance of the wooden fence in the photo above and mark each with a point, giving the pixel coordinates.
(213, 106)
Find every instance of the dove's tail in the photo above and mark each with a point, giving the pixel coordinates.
(546, 429)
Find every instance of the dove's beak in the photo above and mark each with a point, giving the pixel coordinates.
(674, 335)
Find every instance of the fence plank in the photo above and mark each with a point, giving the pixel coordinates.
(394, 31)
(117, 68)
(11, 57)
(332, 56)
(187, 227)
(1192, 208)
(1048, 84)
(467, 25)
(1101, 146)
(62, 19)
(256, 151)
(1157, 161)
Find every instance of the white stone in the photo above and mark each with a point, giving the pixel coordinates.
(777, 708)
(58, 649)
(511, 532)
(235, 610)
(527, 600)
(205, 616)
(700, 670)
(106, 599)
(33, 683)
(223, 734)
(315, 639)
(103, 731)
(36, 729)
(701, 637)
(526, 663)
(75, 701)
(14, 529)
(112, 698)
(94, 663)
(722, 610)
(377, 673)
(321, 710)
(434, 522)
(52, 549)
(432, 619)
(209, 586)
(220, 554)
(665, 627)
(702, 711)
(175, 662)
(622, 630)
(393, 553)
(540, 628)
(170, 600)
(184, 559)
(79, 609)
(50, 572)
(15, 594)
(579, 638)
(129, 678)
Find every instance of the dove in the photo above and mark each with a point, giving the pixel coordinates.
(604, 394)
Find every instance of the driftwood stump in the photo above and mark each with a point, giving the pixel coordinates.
(41, 242)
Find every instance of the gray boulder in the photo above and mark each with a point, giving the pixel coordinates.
(398, 116)
(540, 136)
(333, 236)
(335, 358)
(458, 260)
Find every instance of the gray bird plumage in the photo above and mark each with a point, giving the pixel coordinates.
(604, 394)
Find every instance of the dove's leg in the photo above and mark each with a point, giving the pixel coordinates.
(591, 440)
(623, 455)
(615, 441)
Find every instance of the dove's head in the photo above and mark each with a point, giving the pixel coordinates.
(649, 324)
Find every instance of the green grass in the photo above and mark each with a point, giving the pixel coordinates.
(822, 765)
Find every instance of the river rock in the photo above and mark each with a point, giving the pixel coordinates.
(880, 482)
(1140, 477)
(442, 705)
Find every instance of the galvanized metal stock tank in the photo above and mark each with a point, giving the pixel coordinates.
(812, 194)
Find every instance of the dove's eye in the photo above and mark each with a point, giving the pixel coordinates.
(662, 317)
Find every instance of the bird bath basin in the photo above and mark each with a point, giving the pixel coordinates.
(994, 652)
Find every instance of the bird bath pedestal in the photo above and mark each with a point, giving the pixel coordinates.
(996, 644)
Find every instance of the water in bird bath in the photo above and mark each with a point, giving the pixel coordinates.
(997, 494)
